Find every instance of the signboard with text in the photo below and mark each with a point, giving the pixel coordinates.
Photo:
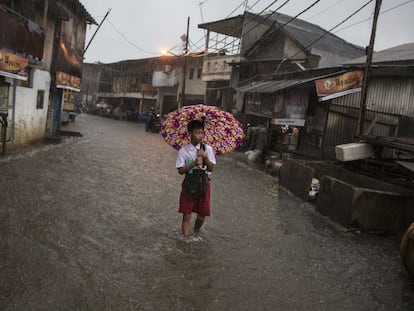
(67, 81)
(290, 108)
(13, 64)
(347, 83)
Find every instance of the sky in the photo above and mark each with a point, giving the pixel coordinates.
(139, 29)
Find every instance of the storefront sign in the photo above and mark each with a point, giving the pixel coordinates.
(13, 66)
(341, 85)
(292, 122)
(69, 56)
(290, 108)
(68, 82)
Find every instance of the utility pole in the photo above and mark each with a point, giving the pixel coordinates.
(182, 99)
(364, 90)
(96, 31)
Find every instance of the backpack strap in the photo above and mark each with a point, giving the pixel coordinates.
(203, 167)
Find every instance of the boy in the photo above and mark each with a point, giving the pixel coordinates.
(191, 157)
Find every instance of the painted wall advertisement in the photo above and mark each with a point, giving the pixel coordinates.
(69, 58)
(290, 108)
(13, 65)
(341, 85)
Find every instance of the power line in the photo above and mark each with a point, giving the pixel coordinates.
(250, 7)
(285, 24)
(235, 9)
(250, 21)
(238, 7)
(326, 32)
(130, 42)
(369, 18)
(323, 11)
(253, 5)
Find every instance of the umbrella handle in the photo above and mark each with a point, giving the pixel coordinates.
(203, 168)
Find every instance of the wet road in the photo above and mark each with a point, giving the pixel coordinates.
(92, 224)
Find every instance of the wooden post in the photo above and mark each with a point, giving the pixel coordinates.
(182, 99)
(364, 91)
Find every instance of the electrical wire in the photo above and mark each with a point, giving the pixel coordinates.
(250, 7)
(369, 18)
(253, 5)
(323, 11)
(325, 33)
(129, 41)
(285, 24)
(238, 7)
(248, 22)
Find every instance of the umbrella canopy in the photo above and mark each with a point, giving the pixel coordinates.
(222, 131)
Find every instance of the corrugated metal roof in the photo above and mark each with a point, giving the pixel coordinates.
(274, 86)
(401, 53)
(307, 33)
(229, 26)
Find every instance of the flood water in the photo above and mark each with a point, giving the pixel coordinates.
(92, 224)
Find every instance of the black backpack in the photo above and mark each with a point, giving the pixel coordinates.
(195, 183)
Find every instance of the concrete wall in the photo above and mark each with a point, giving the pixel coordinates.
(217, 68)
(30, 122)
(291, 49)
(329, 59)
(387, 211)
(48, 47)
(195, 86)
(357, 180)
(351, 199)
(297, 178)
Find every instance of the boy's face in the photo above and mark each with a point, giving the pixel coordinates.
(197, 135)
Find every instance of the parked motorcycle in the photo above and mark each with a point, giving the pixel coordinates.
(153, 123)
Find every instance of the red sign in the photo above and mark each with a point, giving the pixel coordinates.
(339, 85)
(66, 81)
(12, 63)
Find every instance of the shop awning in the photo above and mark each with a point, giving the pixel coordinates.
(12, 75)
(13, 66)
(273, 86)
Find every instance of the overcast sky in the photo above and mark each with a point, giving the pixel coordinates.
(152, 25)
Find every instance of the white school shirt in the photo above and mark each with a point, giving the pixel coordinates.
(189, 152)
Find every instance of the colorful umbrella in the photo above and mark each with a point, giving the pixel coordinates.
(222, 131)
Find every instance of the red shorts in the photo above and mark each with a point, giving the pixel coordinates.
(199, 205)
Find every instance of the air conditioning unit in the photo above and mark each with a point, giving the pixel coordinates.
(354, 151)
(166, 68)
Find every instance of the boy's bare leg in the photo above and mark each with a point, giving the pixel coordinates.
(186, 225)
(199, 222)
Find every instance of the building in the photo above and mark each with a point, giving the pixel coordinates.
(171, 82)
(41, 53)
(250, 47)
(389, 118)
(136, 86)
(324, 120)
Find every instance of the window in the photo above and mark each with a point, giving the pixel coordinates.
(199, 72)
(191, 73)
(40, 99)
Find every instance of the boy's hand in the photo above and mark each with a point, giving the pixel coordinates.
(201, 153)
(199, 161)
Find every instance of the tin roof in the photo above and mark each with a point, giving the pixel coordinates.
(302, 31)
(307, 33)
(397, 54)
(77, 8)
(230, 26)
(273, 86)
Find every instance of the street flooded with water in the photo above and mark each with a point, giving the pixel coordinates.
(92, 224)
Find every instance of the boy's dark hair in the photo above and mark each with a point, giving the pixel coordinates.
(194, 125)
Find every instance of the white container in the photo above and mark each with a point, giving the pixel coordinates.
(354, 151)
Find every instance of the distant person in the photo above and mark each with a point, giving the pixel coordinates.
(196, 161)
